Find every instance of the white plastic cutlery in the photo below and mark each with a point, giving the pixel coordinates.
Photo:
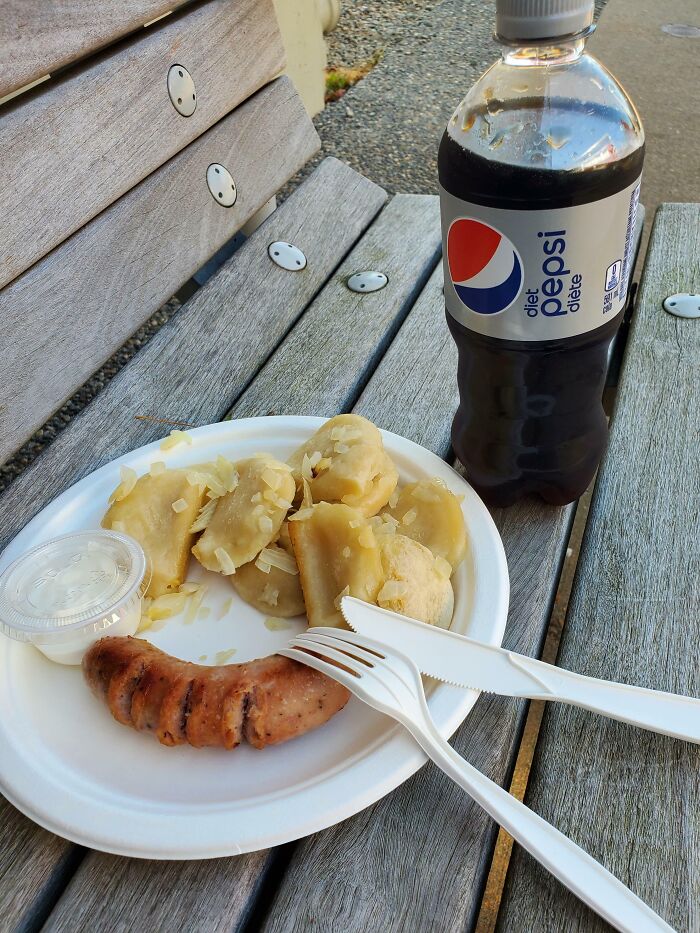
(391, 683)
(459, 660)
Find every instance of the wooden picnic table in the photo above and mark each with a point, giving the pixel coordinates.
(256, 339)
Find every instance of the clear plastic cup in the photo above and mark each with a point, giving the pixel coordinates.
(67, 593)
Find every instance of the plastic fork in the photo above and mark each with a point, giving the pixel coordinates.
(391, 683)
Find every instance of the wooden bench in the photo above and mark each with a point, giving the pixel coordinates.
(107, 216)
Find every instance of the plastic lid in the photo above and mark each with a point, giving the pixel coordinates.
(70, 585)
(542, 19)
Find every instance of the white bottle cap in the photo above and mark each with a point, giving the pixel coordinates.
(542, 19)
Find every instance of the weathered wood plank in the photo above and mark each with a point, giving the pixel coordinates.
(629, 797)
(37, 38)
(120, 895)
(198, 364)
(326, 359)
(187, 373)
(352, 877)
(34, 867)
(70, 152)
(83, 300)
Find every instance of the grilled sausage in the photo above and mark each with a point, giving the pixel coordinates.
(264, 702)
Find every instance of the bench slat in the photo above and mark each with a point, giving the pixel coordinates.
(37, 38)
(323, 364)
(34, 867)
(83, 300)
(103, 128)
(353, 876)
(120, 895)
(186, 373)
(629, 797)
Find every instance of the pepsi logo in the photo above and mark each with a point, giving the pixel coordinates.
(485, 268)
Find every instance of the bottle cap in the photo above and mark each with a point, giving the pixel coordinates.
(73, 589)
(518, 20)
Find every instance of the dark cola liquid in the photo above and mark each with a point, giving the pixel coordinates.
(531, 418)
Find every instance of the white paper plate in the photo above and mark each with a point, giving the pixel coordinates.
(70, 767)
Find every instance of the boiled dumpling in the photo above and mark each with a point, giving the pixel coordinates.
(271, 581)
(431, 514)
(249, 518)
(345, 461)
(416, 583)
(338, 555)
(158, 512)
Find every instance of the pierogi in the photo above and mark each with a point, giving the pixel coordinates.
(158, 511)
(338, 555)
(431, 514)
(249, 518)
(416, 583)
(271, 581)
(345, 461)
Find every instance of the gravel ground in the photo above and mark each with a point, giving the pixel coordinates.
(389, 125)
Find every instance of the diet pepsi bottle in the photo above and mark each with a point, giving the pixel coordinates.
(539, 170)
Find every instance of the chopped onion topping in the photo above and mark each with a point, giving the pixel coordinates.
(158, 467)
(423, 494)
(222, 657)
(175, 438)
(179, 505)
(227, 473)
(366, 538)
(128, 481)
(394, 499)
(409, 517)
(225, 608)
(225, 563)
(204, 517)
(271, 478)
(392, 590)
(195, 601)
(265, 524)
(301, 515)
(307, 501)
(279, 558)
(269, 595)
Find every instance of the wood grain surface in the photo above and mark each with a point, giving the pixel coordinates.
(199, 363)
(70, 152)
(120, 895)
(38, 37)
(192, 370)
(418, 859)
(326, 359)
(35, 866)
(629, 797)
(83, 300)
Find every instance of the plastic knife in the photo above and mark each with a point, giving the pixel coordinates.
(463, 662)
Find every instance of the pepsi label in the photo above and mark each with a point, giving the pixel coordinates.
(537, 275)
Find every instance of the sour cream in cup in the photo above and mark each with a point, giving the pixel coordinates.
(67, 593)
